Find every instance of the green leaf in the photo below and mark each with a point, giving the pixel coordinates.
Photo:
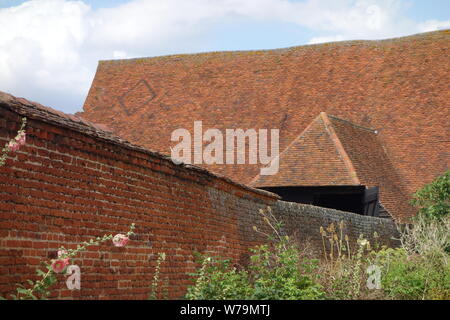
(40, 272)
(50, 280)
(22, 291)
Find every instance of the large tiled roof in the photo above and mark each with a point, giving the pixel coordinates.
(399, 87)
(333, 151)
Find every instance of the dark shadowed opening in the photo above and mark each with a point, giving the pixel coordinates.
(346, 198)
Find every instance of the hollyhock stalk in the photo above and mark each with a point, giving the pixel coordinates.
(41, 287)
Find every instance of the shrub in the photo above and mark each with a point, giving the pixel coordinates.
(419, 269)
(433, 200)
(428, 237)
(276, 271)
(413, 277)
(216, 279)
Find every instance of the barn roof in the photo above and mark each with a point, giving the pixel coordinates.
(398, 87)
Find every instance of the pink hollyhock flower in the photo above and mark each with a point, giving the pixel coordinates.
(59, 265)
(62, 253)
(120, 240)
(13, 146)
(21, 138)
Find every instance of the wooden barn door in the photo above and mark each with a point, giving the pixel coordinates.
(370, 202)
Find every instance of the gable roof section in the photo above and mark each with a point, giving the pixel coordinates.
(315, 158)
(333, 151)
(397, 86)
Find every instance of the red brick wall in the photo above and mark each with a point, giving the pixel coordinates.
(64, 187)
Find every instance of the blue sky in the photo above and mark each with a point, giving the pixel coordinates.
(49, 49)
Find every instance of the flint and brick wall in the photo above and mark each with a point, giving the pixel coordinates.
(66, 186)
(304, 221)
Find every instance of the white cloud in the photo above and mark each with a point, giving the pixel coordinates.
(433, 25)
(41, 45)
(335, 38)
(117, 54)
(49, 48)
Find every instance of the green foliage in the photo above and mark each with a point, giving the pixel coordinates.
(419, 269)
(413, 277)
(433, 200)
(276, 271)
(217, 280)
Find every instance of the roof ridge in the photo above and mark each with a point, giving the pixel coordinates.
(352, 123)
(256, 178)
(316, 45)
(340, 148)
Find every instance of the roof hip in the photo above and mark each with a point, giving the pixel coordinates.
(340, 148)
